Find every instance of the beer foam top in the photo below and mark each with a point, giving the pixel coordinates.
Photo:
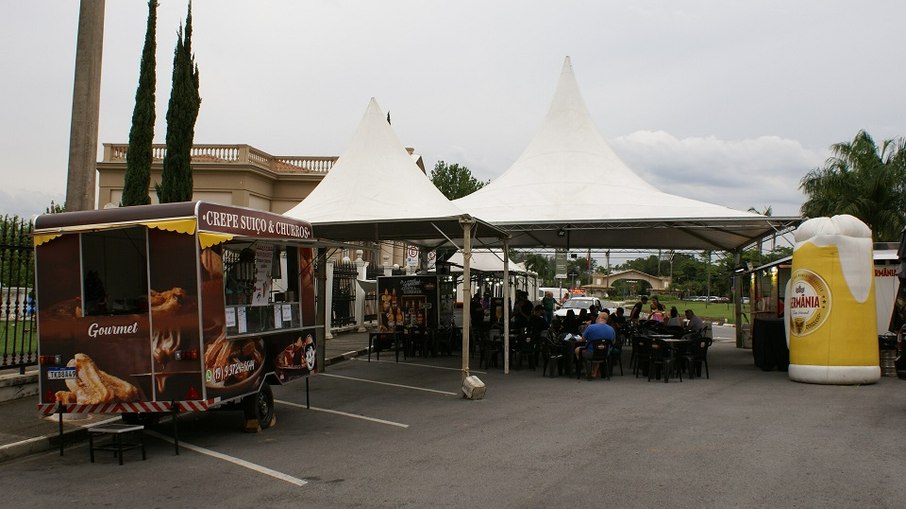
(853, 240)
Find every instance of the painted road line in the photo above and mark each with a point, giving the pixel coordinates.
(32, 440)
(447, 393)
(337, 412)
(236, 461)
(421, 365)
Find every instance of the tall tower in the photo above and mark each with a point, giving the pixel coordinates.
(86, 99)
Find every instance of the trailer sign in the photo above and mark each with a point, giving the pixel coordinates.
(61, 373)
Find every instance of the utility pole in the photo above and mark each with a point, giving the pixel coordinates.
(86, 99)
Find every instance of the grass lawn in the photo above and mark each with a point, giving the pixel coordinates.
(13, 334)
(708, 311)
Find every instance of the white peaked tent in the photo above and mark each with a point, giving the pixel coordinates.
(602, 203)
(487, 260)
(376, 192)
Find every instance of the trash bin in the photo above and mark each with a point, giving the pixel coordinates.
(888, 354)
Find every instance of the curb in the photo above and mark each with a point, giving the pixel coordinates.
(345, 357)
(44, 443)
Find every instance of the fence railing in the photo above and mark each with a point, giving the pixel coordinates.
(18, 331)
(343, 305)
(232, 154)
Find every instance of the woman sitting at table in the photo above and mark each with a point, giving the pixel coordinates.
(674, 320)
(571, 323)
(657, 313)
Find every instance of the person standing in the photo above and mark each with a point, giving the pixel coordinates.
(636, 312)
(549, 303)
(476, 311)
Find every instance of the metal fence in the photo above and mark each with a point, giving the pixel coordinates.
(18, 331)
(343, 305)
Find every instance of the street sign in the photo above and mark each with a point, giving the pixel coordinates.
(560, 264)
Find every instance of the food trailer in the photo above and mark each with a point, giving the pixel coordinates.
(171, 308)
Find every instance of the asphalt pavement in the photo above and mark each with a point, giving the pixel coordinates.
(388, 434)
(24, 431)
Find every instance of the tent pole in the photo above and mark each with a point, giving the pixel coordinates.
(466, 291)
(506, 307)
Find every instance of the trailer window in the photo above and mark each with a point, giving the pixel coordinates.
(115, 272)
(256, 296)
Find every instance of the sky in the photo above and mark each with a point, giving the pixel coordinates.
(730, 102)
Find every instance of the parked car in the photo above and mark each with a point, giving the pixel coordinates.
(577, 304)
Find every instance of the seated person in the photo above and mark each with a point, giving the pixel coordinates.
(618, 319)
(571, 323)
(674, 321)
(594, 333)
(696, 324)
(537, 323)
(657, 313)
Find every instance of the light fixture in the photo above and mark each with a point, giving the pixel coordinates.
(561, 232)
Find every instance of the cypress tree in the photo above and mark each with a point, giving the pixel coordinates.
(141, 135)
(182, 111)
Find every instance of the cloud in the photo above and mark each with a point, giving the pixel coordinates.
(26, 203)
(757, 172)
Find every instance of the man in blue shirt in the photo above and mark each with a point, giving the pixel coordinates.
(593, 334)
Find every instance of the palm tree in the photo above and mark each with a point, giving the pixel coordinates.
(768, 212)
(864, 181)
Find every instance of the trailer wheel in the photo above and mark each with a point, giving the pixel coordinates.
(260, 407)
(142, 418)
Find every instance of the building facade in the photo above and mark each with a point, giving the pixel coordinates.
(239, 175)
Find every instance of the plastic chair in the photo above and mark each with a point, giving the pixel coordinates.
(443, 341)
(599, 359)
(616, 355)
(641, 352)
(490, 348)
(552, 354)
(523, 347)
(698, 352)
(662, 362)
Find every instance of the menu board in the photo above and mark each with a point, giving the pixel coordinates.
(407, 301)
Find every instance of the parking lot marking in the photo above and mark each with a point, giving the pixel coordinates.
(236, 461)
(337, 412)
(422, 365)
(448, 393)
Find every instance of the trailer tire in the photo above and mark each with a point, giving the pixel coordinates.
(260, 407)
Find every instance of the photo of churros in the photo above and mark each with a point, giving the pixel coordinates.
(93, 385)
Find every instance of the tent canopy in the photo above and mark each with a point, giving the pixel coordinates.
(486, 260)
(376, 192)
(610, 206)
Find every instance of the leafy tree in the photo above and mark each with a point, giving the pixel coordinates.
(141, 135)
(768, 212)
(54, 208)
(16, 266)
(540, 264)
(455, 181)
(863, 180)
(182, 111)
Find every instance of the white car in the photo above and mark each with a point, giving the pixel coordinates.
(577, 304)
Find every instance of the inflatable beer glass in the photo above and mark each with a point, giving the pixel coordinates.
(831, 323)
